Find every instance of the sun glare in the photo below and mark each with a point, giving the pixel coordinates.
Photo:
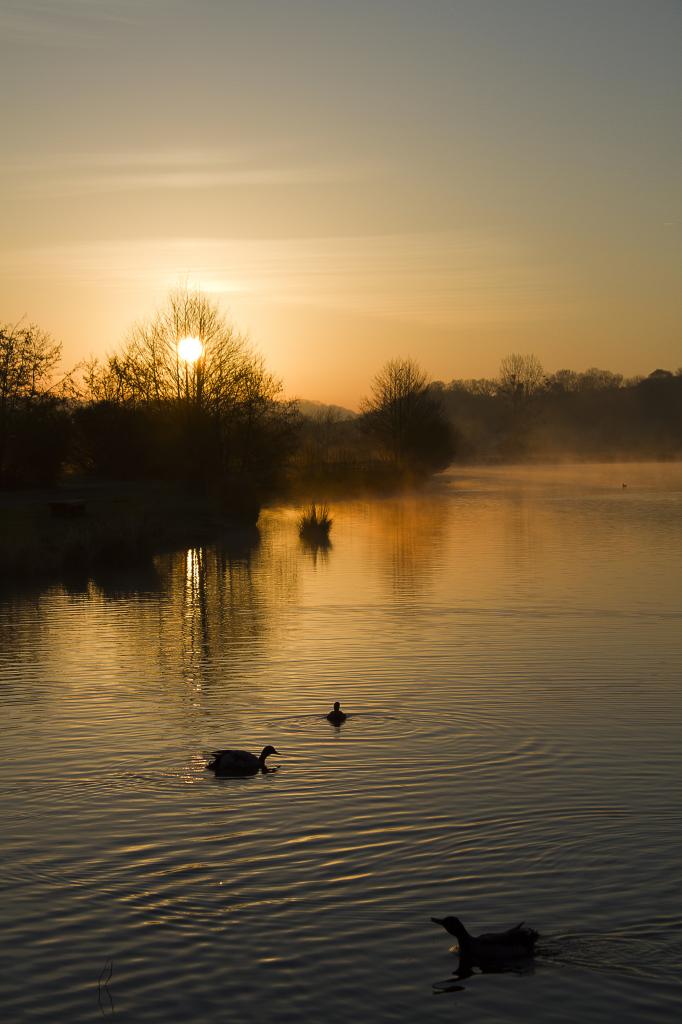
(190, 349)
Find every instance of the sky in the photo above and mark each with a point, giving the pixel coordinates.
(352, 180)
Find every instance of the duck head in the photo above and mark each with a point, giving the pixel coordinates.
(265, 752)
(454, 926)
(337, 705)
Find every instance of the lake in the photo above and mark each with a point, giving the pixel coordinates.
(508, 645)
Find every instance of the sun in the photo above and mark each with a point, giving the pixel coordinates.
(190, 349)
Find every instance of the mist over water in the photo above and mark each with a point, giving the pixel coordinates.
(508, 647)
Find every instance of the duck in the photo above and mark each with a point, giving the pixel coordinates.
(496, 947)
(240, 762)
(336, 716)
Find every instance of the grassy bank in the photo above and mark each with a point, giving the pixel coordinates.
(76, 528)
(83, 525)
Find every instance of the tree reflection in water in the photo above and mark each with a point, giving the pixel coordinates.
(173, 619)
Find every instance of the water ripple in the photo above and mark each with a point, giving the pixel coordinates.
(509, 655)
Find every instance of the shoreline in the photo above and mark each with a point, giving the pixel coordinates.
(81, 526)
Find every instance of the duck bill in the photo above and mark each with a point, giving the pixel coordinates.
(439, 920)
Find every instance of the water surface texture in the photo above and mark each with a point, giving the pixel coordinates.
(509, 648)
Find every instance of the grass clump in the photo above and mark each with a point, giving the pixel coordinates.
(314, 523)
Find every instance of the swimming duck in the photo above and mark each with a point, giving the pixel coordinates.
(240, 762)
(336, 716)
(513, 944)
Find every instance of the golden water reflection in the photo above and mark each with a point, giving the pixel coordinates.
(509, 655)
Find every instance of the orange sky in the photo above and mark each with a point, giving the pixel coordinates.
(447, 180)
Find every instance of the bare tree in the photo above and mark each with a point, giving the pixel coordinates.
(396, 393)
(28, 357)
(223, 407)
(521, 376)
(521, 381)
(150, 369)
(406, 419)
(595, 379)
(563, 381)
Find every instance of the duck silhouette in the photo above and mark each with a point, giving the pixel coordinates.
(336, 716)
(492, 947)
(240, 762)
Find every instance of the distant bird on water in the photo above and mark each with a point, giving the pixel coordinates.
(492, 947)
(336, 716)
(240, 762)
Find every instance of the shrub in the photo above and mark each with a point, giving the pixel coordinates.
(314, 523)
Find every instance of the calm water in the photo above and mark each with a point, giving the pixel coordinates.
(510, 647)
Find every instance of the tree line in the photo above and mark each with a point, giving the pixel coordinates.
(218, 423)
(528, 413)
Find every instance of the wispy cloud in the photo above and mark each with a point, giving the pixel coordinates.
(68, 175)
(57, 23)
(439, 279)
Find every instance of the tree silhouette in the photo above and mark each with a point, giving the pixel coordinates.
(219, 417)
(406, 419)
(28, 357)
